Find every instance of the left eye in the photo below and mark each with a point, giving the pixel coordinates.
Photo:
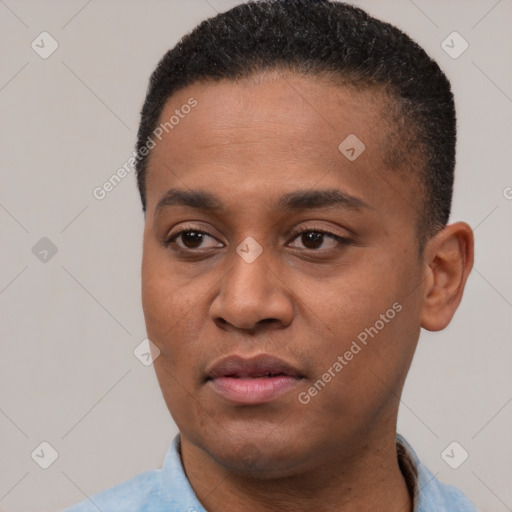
(314, 239)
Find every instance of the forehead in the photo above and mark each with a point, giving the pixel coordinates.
(277, 109)
(271, 130)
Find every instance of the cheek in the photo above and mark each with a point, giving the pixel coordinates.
(370, 319)
(176, 384)
(167, 308)
(157, 302)
(355, 298)
(174, 304)
(163, 302)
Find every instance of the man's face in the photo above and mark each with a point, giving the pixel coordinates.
(338, 274)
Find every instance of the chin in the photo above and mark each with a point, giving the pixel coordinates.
(264, 456)
(250, 461)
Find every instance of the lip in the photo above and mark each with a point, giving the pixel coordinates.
(254, 380)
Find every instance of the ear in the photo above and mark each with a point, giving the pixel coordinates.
(448, 259)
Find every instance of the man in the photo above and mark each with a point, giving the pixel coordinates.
(295, 164)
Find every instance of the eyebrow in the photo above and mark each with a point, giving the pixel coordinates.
(192, 198)
(310, 199)
(292, 201)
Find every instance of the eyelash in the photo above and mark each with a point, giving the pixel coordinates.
(170, 240)
(340, 239)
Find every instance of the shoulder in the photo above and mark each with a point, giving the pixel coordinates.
(158, 490)
(431, 495)
(439, 496)
(131, 495)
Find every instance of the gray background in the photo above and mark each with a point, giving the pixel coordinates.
(68, 375)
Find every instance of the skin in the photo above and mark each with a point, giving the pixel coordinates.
(249, 143)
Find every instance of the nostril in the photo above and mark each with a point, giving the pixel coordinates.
(220, 322)
(267, 321)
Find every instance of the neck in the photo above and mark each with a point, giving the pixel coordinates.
(368, 479)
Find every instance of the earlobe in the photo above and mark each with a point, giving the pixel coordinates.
(448, 261)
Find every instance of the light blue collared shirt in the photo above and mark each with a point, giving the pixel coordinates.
(168, 490)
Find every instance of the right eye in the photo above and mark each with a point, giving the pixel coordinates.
(191, 239)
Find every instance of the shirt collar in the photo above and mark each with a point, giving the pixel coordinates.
(175, 485)
(177, 489)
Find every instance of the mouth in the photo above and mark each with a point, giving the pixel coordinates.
(251, 381)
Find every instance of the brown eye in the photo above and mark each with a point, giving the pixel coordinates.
(315, 239)
(190, 239)
(312, 239)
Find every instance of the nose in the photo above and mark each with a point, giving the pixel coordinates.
(252, 296)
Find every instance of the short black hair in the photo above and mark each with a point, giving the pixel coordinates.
(331, 38)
